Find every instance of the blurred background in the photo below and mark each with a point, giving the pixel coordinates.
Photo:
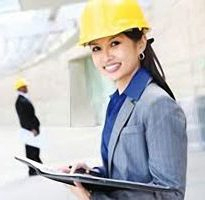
(38, 41)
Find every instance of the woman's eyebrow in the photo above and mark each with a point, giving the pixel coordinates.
(93, 43)
(113, 37)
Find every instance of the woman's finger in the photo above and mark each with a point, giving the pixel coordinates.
(80, 192)
(78, 166)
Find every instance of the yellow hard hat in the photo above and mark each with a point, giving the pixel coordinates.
(20, 83)
(102, 18)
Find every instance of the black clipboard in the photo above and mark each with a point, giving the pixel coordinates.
(90, 182)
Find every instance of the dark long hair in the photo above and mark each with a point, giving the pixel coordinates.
(150, 62)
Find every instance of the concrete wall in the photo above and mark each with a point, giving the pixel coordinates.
(178, 27)
(82, 113)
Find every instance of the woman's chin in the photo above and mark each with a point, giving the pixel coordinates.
(113, 78)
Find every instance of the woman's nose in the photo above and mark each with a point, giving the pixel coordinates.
(107, 55)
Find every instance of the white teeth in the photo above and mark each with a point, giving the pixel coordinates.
(112, 68)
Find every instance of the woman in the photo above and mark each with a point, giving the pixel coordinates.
(144, 136)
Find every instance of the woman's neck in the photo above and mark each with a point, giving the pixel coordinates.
(123, 83)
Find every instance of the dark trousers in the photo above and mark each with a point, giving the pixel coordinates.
(32, 153)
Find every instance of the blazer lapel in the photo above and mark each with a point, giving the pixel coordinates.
(121, 119)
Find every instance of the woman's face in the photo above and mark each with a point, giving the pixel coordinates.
(117, 57)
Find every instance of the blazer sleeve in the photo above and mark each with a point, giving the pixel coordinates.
(166, 138)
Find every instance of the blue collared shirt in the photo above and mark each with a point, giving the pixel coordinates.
(133, 90)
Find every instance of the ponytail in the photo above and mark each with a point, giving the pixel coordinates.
(150, 62)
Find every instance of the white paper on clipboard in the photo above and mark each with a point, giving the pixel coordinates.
(27, 137)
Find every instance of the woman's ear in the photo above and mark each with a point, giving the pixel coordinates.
(142, 43)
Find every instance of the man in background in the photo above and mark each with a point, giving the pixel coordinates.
(30, 125)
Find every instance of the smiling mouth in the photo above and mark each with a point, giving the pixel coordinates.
(112, 67)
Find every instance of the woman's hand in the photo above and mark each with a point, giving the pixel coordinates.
(78, 190)
(75, 168)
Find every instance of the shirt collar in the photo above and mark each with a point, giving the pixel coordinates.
(23, 94)
(138, 83)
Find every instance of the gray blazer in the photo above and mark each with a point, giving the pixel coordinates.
(149, 145)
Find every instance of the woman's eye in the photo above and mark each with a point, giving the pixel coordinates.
(94, 49)
(115, 43)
